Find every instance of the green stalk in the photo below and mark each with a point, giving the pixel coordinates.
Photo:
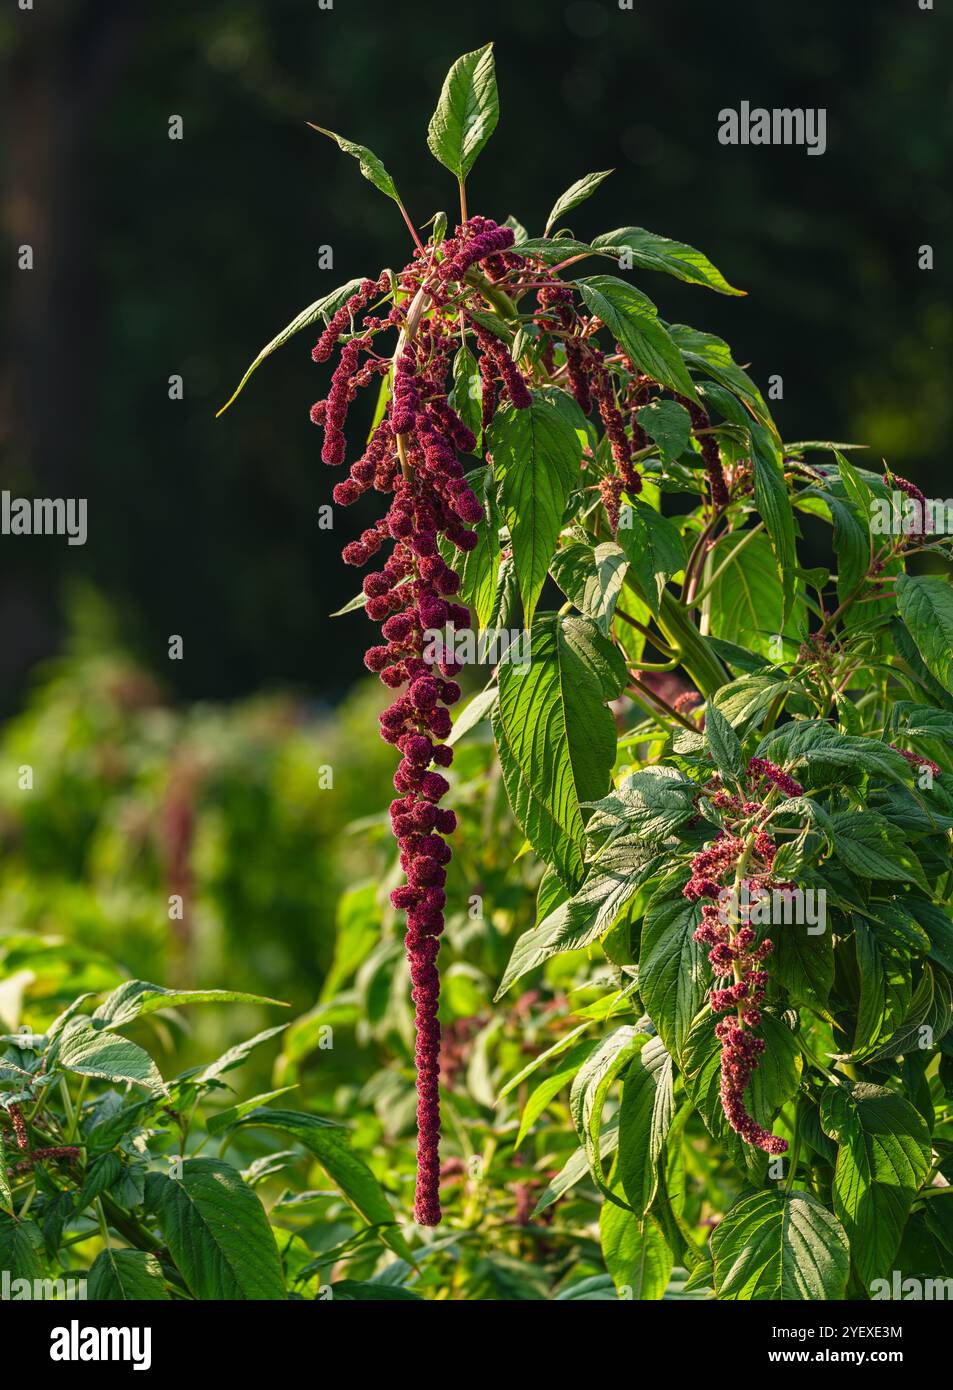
(698, 660)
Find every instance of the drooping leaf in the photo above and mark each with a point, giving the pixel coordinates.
(723, 744)
(654, 548)
(588, 915)
(635, 1252)
(217, 1231)
(632, 319)
(648, 1108)
(556, 737)
(479, 568)
(126, 1275)
(536, 455)
(774, 503)
(712, 355)
(669, 424)
(883, 1156)
(328, 1142)
(926, 606)
(466, 398)
(591, 577)
(371, 167)
(672, 965)
(321, 309)
(591, 1087)
(776, 1245)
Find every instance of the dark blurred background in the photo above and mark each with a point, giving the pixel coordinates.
(157, 257)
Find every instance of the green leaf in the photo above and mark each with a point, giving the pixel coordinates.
(672, 966)
(553, 250)
(20, 1242)
(723, 744)
(654, 548)
(926, 606)
(748, 697)
(635, 1253)
(371, 167)
(357, 1291)
(869, 846)
(712, 356)
(321, 309)
(578, 193)
(88, 1051)
(584, 918)
(576, 1167)
(883, 967)
(883, 1158)
(669, 424)
(774, 503)
(235, 1055)
(536, 455)
(467, 112)
(547, 1090)
(816, 742)
(222, 1120)
(592, 1085)
(556, 737)
(649, 804)
(648, 1108)
(747, 600)
(126, 1275)
(217, 1232)
(135, 997)
(649, 251)
(473, 713)
(633, 321)
(329, 1144)
(6, 1194)
(775, 1245)
(479, 568)
(466, 398)
(591, 579)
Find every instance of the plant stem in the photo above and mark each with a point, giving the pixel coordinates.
(746, 539)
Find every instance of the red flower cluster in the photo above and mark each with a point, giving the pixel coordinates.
(760, 767)
(735, 952)
(913, 492)
(412, 455)
(917, 760)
